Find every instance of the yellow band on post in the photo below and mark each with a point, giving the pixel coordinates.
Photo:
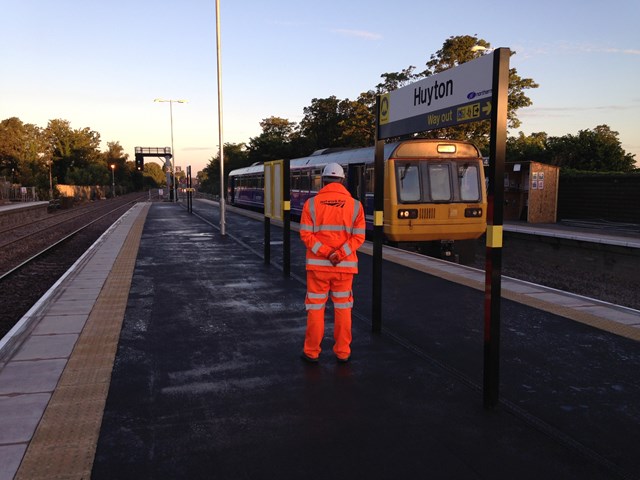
(378, 218)
(286, 205)
(494, 236)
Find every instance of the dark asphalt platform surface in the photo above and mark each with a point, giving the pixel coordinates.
(208, 382)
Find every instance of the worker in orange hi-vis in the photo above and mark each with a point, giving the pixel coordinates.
(332, 227)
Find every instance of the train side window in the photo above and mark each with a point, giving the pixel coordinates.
(469, 179)
(304, 181)
(408, 180)
(369, 180)
(295, 180)
(439, 182)
(316, 182)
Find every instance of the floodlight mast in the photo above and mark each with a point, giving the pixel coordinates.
(173, 188)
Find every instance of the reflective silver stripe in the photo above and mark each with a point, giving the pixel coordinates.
(314, 306)
(361, 231)
(341, 294)
(321, 263)
(304, 226)
(347, 249)
(312, 212)
(356, 209)
(316, 247)
(343, 305)
(347, 264)
(327, 263)
(317, 295)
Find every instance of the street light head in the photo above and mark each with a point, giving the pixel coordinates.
(170, 100)
(113, 167)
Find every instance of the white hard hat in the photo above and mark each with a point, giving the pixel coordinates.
(333, 170)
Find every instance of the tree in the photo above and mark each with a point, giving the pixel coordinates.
(114, 155)
(154, 176)
(597, 150)
(71, 149)
(321, 122)
(528, 148)
(22, 152)
(275, 141)
(455, 51)
(357, 122)
(394, 81)
(235, 156)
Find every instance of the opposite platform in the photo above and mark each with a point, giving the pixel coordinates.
(59, 357)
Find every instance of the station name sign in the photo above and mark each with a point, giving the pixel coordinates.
(458, 95)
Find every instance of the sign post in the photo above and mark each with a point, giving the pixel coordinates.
(277, 206)
(474, 91)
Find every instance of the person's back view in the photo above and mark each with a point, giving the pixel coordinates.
(332, 228)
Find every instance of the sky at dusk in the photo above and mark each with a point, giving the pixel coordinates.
(102, 64)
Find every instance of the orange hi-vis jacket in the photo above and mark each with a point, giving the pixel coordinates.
(332, 221)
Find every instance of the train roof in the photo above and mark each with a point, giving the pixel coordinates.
(320, 158)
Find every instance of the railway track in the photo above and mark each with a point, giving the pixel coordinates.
(26, 273)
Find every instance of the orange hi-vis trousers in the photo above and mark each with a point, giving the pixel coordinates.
(319, 284)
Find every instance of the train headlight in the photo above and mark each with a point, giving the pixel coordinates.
(407, 213)
(473, 212)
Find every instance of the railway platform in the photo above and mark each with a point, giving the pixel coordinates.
(170, 351)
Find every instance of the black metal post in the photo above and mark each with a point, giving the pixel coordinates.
(286, 218)
(495, 200)
(378, 228)
(267, 240)
(189, 193)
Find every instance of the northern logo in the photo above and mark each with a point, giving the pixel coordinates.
(334, 203)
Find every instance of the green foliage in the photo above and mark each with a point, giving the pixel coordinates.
(153, 175)
(28, 153)
(597, 150)
(92, 174)
(276, 141)
(235, 156)
(22, 152)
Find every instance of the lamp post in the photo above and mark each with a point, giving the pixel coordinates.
(113, 180)
(173, 155)
(50, 163)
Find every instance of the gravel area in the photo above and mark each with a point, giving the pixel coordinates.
(605, 273)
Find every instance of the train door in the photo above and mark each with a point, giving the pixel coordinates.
(355, 181)
(230, 189)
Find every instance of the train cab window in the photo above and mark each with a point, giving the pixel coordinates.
(408, 178)
(439, 179)
(469, 179)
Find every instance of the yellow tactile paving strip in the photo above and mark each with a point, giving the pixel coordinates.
(64, 444)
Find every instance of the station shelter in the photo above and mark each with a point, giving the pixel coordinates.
(531, 192)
